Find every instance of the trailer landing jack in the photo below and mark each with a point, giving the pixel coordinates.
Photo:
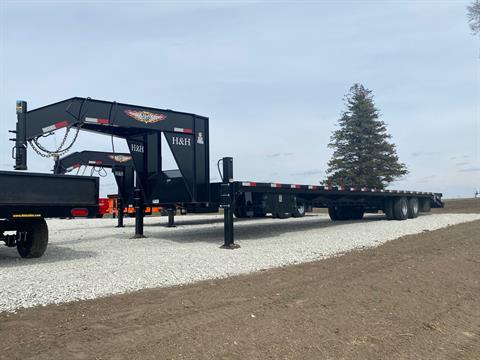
(171, 217)
(227, 198)
(139, 214)
(120, 213)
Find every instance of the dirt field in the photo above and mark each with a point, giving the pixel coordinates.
(415, 297)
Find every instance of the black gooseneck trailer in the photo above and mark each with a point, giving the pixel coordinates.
(187, 136)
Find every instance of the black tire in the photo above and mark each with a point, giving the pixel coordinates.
(344, 213)
(426, 205)
(413, 208)
(356, 213)
(299, 210)
(340, 213)
(236, 214)
(240, 212)
(332, 212)
(388, 210)
(259, 214)
(400, 208)
(36, 239)
(282, 215)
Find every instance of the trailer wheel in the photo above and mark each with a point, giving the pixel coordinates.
(259, 214)
(400, 208)
(388, 210)
(339, 213)
(35, 241)
(240, 212)
(332, 212)
(413, 208)
(426, 206)
(282, 215)
(299, 209)
(356, 213)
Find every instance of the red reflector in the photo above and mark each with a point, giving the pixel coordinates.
(61, 124)
(79, 212)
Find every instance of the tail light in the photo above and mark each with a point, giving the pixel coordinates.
(77, 212)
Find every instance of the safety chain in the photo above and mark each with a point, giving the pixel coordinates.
(44, 152)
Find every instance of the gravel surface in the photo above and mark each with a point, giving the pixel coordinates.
(90, 258)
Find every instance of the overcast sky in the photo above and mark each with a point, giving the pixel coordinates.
(270, 76)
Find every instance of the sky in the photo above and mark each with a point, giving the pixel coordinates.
(271, 77)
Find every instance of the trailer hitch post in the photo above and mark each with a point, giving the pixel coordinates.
(227, 203)
(139, 214)
(20, 155)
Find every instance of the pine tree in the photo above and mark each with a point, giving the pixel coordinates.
(363, 155)
(473, 14)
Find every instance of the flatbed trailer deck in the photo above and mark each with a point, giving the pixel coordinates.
(189, 186)
(27, 199)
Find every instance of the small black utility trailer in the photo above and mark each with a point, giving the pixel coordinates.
(26, 199)
(189, 186)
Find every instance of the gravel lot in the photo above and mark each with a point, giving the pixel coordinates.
(90, 258)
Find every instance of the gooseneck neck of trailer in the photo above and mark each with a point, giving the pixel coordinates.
(186, 134)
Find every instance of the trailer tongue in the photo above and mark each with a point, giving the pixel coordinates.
(187, 136)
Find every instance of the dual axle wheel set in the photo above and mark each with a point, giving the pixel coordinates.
(400, 208)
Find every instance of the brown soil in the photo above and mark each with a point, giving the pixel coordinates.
(417, 297)
(460, 206)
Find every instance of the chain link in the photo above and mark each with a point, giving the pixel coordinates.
(60, 151)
